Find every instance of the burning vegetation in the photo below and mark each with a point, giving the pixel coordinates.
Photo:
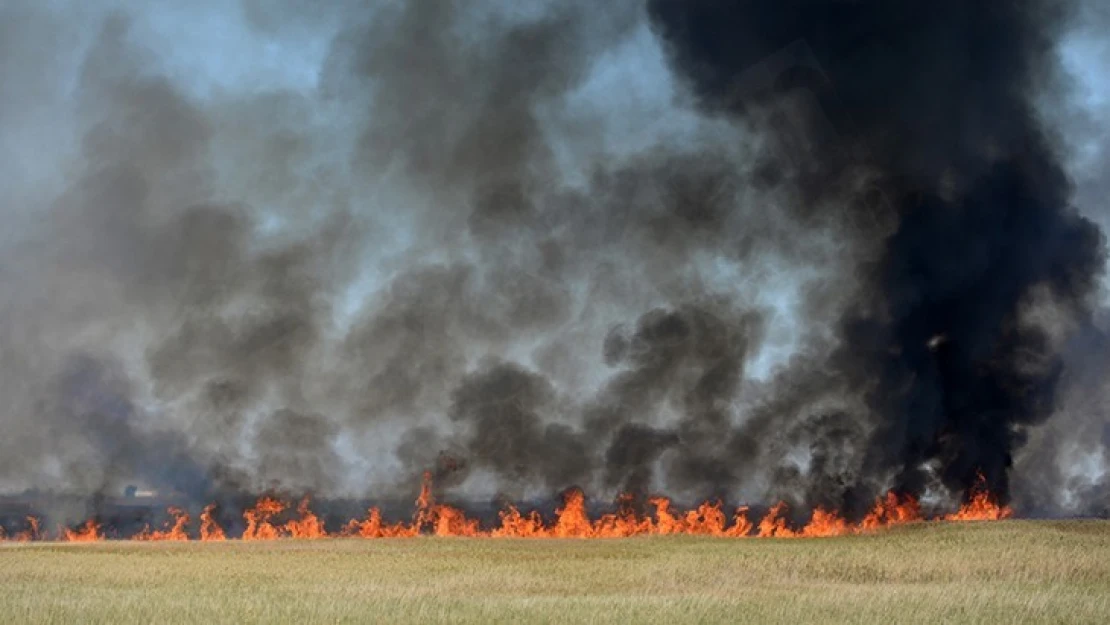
(831, 257)
(272, 519)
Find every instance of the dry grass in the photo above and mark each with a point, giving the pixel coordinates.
(1012, 572)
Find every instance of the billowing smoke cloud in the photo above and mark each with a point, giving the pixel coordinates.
(750, 250)
(941, 95)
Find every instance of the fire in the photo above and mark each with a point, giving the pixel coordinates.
(741, 526)
(514, 524)
(308, 525)
(443, 520)
(373, 527)
(980, 506)
(31, 533)
(175, 532)
(774, 524)
(625, 522)
(571, 520)
(273, 519)
(209, 529)
(892, 510)
(665, 522)
(826, 523)
(261, 526)
(708, 519)
(87, 532)
(258, 520)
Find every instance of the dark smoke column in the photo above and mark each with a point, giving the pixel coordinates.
(934, 101)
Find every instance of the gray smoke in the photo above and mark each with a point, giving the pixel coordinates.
(324, 248)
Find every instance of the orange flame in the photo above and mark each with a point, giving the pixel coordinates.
(31, 533)
(258, 519)
(665, 522)
(741, 526)
(175, 532)
(571, 520)
(707, 520)
(514, 524)
(625, 522)
(87, 532)
(261, 526)
(307, 526)
(443, 520)
(27, 535)
(209, 529)
(980, 506)
(826, 523)
(892, 510)
(373, 527)
(774, 524)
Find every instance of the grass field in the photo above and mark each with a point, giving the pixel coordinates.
(1004, 572)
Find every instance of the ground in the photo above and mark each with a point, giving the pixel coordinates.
(1009, 571)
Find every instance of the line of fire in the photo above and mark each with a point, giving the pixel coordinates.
(146, 516)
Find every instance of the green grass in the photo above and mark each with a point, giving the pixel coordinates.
(1005, 572)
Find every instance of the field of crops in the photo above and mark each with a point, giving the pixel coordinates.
(1008, 571)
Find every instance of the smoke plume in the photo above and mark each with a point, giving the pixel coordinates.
(752, 250)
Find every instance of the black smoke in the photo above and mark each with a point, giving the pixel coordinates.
(942, 97)
(751, 250)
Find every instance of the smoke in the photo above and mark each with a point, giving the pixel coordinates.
(942, 95)
(1064, 468)
(749, 250)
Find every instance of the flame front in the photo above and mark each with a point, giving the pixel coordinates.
(981, 505)
(273, 519)
(175, 532)
(892, 510)
(308, 525)
(209, 529)
(87, 532)
(23, 536)
(774, 525)
(258, 520)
